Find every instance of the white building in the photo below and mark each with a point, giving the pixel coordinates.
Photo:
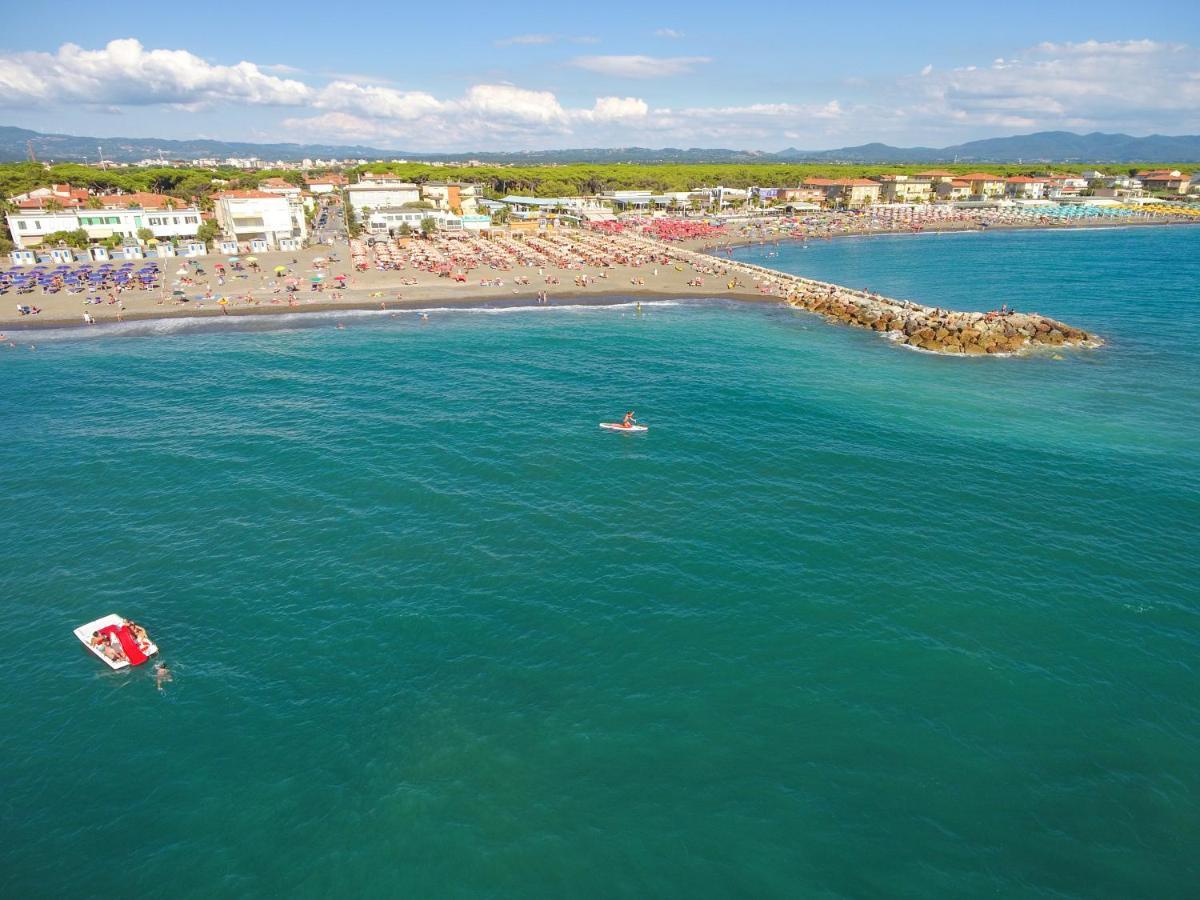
(30, 227)
(281, 187)
(390, 221)
(451, 196)
(1022, 187)
(246, 216)
(364, 196)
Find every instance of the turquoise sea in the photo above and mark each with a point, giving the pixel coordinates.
(848, 621)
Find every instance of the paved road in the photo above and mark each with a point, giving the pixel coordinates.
(334, 225)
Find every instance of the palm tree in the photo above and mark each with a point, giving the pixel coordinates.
(53, 205)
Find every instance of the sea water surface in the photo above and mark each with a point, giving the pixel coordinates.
(848, 621)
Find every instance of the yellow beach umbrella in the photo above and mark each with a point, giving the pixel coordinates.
(222, 301)
(251, 259)
(279, 270)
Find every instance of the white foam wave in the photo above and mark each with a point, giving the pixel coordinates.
(284, 321)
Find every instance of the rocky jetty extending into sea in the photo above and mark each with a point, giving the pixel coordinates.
(921, 327)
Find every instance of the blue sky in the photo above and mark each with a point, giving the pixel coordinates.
(526, 76)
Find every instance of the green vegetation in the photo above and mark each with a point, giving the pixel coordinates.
(185, 184)
(208, 231)
(428, 226)
(77, 238)
(352, 227)
(585, 178)
(145, 235)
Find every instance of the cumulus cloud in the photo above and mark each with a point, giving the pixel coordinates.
(640, 66)
(1117, 85)
(615, 109)
(1137, 85)
(124, 72)
(670, 33)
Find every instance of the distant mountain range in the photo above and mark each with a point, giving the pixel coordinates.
(1044, 146)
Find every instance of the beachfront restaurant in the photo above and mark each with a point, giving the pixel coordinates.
(391, 221)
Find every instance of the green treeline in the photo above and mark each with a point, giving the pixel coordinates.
(541, 181)
(186, 184)
(584, 178)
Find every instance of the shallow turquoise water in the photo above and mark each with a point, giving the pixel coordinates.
(848, 621)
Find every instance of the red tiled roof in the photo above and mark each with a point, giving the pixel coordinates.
(980, 176)
(936, 173)
(40, 202)
(144, 199)
(1024, 179)
(959, 183)
(276, 182)
(248, 195)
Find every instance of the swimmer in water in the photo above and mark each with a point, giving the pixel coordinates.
(161, 675)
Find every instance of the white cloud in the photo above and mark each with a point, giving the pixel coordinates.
(526, 39)
(126, 73)
(1117, 85)
(534, 39)
(640, 66)
(616, 109)
(1137, 86)
(376, 101)
(670, 33)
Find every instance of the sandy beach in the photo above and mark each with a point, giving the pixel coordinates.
(262, 291)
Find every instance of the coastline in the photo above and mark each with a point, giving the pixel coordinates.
(577, 297)
(677, 271)
(945, 228)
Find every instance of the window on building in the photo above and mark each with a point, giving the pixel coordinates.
(20, 226)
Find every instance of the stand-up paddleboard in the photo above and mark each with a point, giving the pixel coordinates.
(117, 627)
(617, 426)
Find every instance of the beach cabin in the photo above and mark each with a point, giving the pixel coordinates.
(194, 248)
(99, 254)
(290, 245)
(132, 251)
(165, 249)
(62, 255)
(23, 258)
(258, 245)
(227, 248)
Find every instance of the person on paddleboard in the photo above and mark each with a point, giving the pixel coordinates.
(628, 421)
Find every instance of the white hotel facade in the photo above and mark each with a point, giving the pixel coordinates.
(245, 216)
(28, 228)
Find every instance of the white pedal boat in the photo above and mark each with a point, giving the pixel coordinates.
(114, 624)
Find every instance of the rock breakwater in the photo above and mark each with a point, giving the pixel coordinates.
(928, 328)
